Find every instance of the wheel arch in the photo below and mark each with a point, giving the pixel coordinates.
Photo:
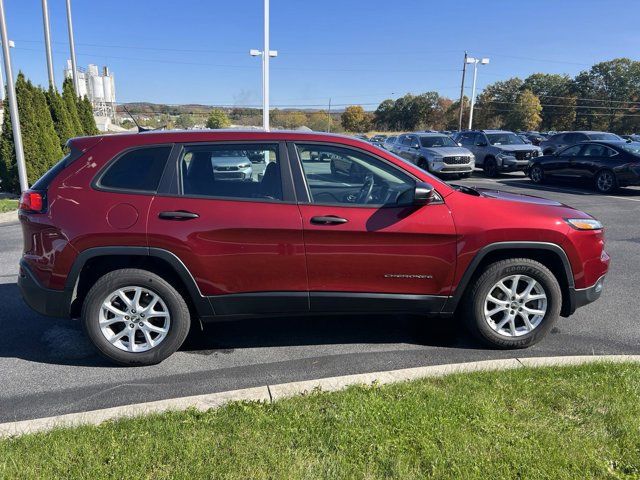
(550, 255)
(92, 263)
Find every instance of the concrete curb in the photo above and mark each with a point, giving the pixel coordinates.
(8, 217)
(271, 393)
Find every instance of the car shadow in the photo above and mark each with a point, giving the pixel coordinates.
(29, 336)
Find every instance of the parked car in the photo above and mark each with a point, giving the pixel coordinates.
(390, 142)
(524, 138)
(498, 150)
(378, 140)
(565, 139)
(143, 245)
(634, 137)
(230, 165)
(362, 136)
(435, 153)
(608, 165)
(534, 137)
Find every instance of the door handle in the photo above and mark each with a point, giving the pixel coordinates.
(177, 215)
(328, 220)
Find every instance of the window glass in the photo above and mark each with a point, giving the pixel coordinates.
(467, 138)
(571, 151)
(249, 171)
(506, 138)
(137, 170)
(351, 177)
(406, 140)
(633, 148)
(594, 150)
(611, 137)
(433, 141)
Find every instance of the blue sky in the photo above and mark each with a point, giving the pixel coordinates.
(189, 51)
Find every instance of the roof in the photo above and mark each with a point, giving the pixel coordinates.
(431, 134)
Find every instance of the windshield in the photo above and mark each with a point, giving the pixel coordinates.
(504, 139)
(605, 136)
(434, 141)
(633, 148)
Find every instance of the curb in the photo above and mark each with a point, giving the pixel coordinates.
(8, 217)
(271, 393)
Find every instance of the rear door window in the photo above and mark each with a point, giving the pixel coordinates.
(138, 170)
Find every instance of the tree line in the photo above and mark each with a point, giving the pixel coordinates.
(605, 97)
(47, 120)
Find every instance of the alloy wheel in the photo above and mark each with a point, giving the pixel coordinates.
(536, 174)
(605, 181)
(515, 305)
(134, 319)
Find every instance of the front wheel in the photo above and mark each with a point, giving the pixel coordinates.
(513, 304)
(536, 174)
(491, 167)
(135, 317)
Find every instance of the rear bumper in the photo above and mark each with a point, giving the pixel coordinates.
(45, 301)
(579, 297)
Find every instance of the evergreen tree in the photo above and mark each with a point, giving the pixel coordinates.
(8, 167)
(60, 116)
(85, 112)
(71, 102)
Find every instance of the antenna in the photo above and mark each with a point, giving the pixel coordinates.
(140, 129)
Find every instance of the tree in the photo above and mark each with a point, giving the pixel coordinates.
(355, 119)
(452, 115)
(41, 143)
(288, 119)
(71, 102)
(60, 116)
(218, 119)
(495, 103)
(557, 96)
(185, 121)
(383, 117)
(526, 112)
(318, 121)
(85, 114)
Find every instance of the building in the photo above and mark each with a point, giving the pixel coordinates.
(98, 87)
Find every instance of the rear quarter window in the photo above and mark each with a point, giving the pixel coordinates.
(138, 170)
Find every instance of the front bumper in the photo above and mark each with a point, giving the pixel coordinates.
(512, 165)
(579, 297)
(441, 167)
(45, 301)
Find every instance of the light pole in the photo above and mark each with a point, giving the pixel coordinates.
(11, 45)
(266, 54)
(475, 61)
(47, 42)
(13, 105)
(72, 49)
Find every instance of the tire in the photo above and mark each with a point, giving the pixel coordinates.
(477, 297)
(490, 167)
(536, 174)
(173, 317)
(606, 181)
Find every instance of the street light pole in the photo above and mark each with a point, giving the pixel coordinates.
(266, 55)
(13, 105)
(47, 42)
(72, 49)
(475, 61)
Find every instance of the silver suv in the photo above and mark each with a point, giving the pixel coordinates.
(435, 152)
(498, 150)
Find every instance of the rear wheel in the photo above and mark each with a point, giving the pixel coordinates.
(536, 174)
(491, 167)
(606, 181)
(513, 304)
(135, 317)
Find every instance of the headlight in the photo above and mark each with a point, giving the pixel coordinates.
(435, 158)
(584, 223)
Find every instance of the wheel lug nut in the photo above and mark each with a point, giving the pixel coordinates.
(142, 315)
(126, 317)
(131, 325)
(133, 311)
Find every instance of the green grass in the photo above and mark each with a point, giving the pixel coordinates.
(556, 423)
(7, 205)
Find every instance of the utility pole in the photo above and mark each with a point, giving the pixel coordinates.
(72, 49)
(464, 72)
(266, 55)
(47, 42)
(13, 105)
(329, 118)
(11, 45)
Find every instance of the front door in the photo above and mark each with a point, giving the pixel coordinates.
(367, 246)
(234, 223)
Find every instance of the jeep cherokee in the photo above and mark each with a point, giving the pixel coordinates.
(143, 238)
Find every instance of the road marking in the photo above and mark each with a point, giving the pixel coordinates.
(271, 393)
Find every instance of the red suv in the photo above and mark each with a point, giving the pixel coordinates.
(145, 235)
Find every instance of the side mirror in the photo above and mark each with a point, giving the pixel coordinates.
(423, 193)
(481, 144)
(415, 146)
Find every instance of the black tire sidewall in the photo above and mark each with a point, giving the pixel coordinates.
(614, 185)
(475, 311)
(491, 167)
(178, 310)
(541, 174)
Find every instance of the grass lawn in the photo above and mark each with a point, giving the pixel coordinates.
(556, 423)
(7, 204)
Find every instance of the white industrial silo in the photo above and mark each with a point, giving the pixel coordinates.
(97, 88)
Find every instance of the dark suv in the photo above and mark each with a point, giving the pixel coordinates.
(565, 139)
(143, 238)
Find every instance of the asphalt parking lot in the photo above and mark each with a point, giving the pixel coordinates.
(47, 367)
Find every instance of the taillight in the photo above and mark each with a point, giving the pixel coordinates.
(31, 201)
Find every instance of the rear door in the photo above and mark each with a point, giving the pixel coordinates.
(367, 247)
(230, 216)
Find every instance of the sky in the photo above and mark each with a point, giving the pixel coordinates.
(349, 51)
